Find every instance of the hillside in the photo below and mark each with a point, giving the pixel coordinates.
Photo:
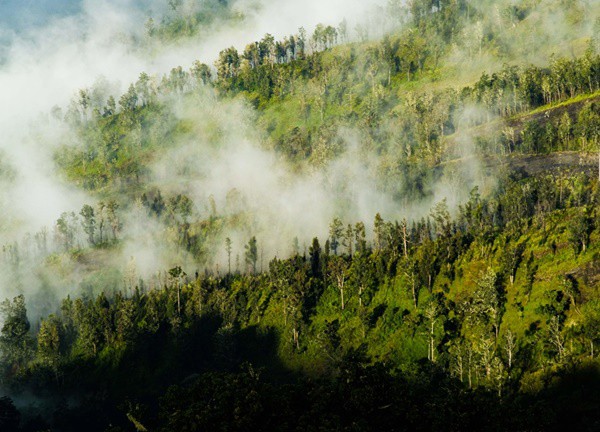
(389, 225)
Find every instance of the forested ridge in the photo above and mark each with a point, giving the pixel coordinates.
(469, 303)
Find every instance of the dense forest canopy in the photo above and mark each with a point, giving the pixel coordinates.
(385, 219)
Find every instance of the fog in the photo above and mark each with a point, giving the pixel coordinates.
(49, 52)
(48, 57)
(47, 65)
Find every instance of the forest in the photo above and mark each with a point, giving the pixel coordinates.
(355, 227)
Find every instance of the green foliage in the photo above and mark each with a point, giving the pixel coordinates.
(15, 341)
(492, 308)
(495, 300)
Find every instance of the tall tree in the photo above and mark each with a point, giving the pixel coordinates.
(228, 250)
(336, 231)
(15, 342)
(88, 222)
(251, 254)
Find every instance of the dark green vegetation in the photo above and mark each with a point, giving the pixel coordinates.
(428, 327)
(481, 317)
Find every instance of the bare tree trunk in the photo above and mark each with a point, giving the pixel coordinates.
(296, 338)
(510, 346)
(432, 341)
(341, 288)
(360, 291)
(404, 239)
(469, 369)
(459, 366)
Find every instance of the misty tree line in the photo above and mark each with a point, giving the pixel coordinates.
(183, 230)
(92, 226)
(93, 102)
(419, 122)
(560, 134)
(187, 18)
(410, 132)
(409, 139)
(513, 89)
(325, 301)
(325, 307)
(426, 119)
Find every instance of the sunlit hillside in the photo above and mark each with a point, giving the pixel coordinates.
(255, 215)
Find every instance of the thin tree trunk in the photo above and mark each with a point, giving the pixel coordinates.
(404, 239)
(360, 291)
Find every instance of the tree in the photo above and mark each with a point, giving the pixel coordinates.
(412, 277)
(336, 230)
(84, 101)
(201, 73)
(348, 239)
(486, 306)
(565, 131)
(129, 100)
(530, 272)
(125, 309)
(379, 230)
(486, 355)
(431, 313)
(338, 268)
(511, 258)
(510, 346)
(228, 250)
(441, 219)
(314, 253)
(461, 358)
(113, 218)
(362, 276)
(296, 299)
(405, 241)
(101, 219)
(251, 254)
(178, 275)
(130, 277)
(65, 229)
(266, 48)
(289, 282)
(88, 222)
(579, 230)
(15, 342)
(177, 81)
(144, 89)
(110, 108)
(555, 337)
(412, 53)
(48, 343)
(228, 65)
(360, 237)
(570, 289)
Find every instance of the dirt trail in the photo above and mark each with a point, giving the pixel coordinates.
(536, 164)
